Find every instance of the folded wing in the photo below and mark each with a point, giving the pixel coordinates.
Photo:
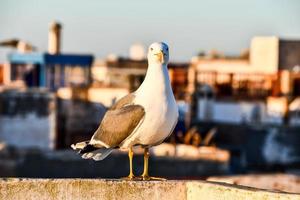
(117, 125)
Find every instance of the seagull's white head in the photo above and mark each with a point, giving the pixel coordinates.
(158, 53)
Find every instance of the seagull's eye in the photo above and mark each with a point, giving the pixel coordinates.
(151, 49)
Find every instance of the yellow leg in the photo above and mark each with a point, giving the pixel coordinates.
(145, 175)
(130, 156)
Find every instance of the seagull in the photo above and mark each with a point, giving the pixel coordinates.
(145, 117)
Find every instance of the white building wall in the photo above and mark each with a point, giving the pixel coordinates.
(28, 119)
(231, 112)
(28, 131)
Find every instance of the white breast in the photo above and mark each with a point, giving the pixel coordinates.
(157, 98)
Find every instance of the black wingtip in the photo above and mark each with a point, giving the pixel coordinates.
(87, 148)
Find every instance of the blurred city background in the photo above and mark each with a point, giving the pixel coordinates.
(234, 69)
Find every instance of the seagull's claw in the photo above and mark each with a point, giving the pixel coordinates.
(131, 178)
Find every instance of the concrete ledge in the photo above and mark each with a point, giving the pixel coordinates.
(282, 182)
(79, 189)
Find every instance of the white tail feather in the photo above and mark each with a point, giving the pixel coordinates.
(98, 154)
(79, 145)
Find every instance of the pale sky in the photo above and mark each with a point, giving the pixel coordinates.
(111, 26)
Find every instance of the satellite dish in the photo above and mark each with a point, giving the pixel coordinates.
(137, 52)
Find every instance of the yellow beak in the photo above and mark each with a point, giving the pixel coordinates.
(160, 56)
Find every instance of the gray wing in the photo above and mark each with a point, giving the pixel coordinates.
(118, 124)
(126, 100)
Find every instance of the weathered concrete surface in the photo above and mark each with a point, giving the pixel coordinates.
(282, 182)
(79, 189)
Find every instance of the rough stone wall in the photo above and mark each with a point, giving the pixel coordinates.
(279, 182)
(78, 189)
